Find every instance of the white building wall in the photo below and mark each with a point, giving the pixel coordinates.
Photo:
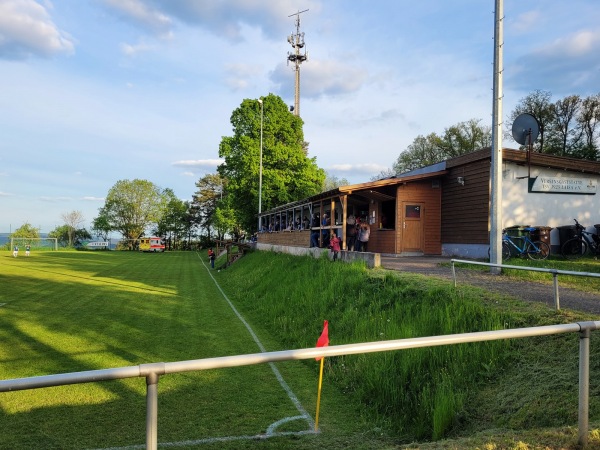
(520, 207)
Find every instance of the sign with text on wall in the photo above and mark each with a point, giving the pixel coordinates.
(562, 185)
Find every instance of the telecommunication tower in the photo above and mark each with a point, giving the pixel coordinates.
(297, 42)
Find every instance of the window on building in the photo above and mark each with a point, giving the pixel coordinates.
(388, 214)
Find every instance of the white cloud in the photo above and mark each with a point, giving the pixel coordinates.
(55, 199)
(133, 49)
(26, 29)
(94, 199)
(239, 76)
(225, 18)
(198, 163)
(567, 64)
(524, 22)
(581, 44)
(368, 168)
(5, 194)
(142, 14)
(323, 78)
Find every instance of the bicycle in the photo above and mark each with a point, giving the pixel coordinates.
(578, 246)
(523, 246)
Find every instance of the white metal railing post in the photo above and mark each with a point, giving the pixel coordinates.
(454, 273)
(556, 296)
(152, 411)
(584, 381)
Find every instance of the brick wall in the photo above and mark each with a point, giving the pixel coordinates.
(289, 238)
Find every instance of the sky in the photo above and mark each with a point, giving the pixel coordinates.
(97, 91)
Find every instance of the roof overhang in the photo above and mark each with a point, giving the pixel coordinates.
(371, 190)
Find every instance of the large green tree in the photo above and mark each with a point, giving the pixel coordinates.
(101, 225)
(67, 236)
(211, 189)
(459, 139)
(175, 222)
(26, 231)
(132, 206)
(332, 182)
(588, 120)
(288, 173)
(539, 105)
(565, 135)
(568, 126)
(72, 222)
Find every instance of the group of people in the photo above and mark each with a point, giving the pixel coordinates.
(280, 225)
(16, 250)
(357, 234)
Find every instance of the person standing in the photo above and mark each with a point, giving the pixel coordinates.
(325, 224)
(363, 235)
(27, 249)
(16, 251)
(211, 257)
(334, 244)
(350, 233)
(314, 231)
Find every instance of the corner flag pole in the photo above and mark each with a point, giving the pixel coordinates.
(323, 341)
(319, 395)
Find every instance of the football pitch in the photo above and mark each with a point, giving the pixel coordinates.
(64, 312)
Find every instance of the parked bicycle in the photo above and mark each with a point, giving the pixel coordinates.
(523, 246)
(579, 245)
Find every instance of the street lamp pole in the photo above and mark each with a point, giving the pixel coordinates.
(260, 165)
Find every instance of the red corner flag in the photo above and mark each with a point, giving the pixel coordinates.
(323, 340)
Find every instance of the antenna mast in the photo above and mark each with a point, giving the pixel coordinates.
(297, 58)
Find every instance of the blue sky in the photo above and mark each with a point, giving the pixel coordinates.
(102, 90)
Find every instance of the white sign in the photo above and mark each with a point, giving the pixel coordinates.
(96, 244)
(559, 185)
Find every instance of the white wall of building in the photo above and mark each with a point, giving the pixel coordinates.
(520, 207)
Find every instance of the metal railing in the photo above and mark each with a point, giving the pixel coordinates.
(555, 273)
(152, 372)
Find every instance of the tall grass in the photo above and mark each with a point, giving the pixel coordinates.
(418, 393)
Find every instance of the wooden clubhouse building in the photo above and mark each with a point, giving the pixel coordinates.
(443, 209)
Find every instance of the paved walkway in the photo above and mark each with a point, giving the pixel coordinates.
(440, 267)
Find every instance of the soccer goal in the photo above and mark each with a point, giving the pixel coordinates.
(36, 244)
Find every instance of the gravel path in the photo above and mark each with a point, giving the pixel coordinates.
(525, 290)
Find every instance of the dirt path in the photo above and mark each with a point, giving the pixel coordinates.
(525, 290)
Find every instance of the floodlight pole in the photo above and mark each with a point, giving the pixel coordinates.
(260, 165)
(496, 169)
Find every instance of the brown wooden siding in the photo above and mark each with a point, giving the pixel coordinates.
(465, 209)
(422, 192)
(291, 238)
(382, 241)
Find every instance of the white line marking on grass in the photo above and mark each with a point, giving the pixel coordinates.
(278, 375)
(249, 437)
(271, 430)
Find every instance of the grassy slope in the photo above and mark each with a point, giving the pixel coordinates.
(525, 402)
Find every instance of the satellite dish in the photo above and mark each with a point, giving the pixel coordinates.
(525, 129)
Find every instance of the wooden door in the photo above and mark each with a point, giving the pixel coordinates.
(412, 224)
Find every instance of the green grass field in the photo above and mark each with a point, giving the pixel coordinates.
(73, 311)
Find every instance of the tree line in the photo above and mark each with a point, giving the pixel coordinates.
(567, 127)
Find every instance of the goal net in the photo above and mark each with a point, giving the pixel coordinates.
(36, 244)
